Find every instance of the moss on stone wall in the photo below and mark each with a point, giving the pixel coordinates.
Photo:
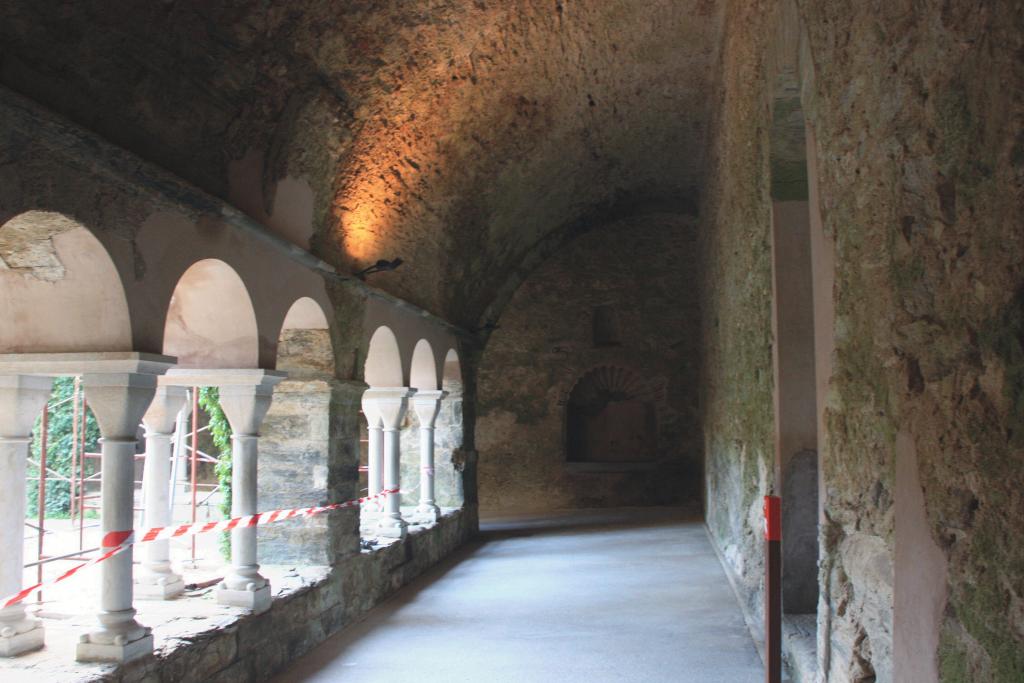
(920, 190)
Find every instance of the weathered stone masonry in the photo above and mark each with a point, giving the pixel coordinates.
(919, 191)
(248, 648)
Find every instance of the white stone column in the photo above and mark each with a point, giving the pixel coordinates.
(155, 579)
(245, 405)
(392, 404)
(21, 400)
(118, 399)
(374, 458)
(427, 404)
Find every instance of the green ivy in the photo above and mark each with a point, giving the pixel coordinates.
(58, 450)
(220, 432)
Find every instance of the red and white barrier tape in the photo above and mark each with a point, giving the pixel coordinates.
(24, 593)
(119, 541)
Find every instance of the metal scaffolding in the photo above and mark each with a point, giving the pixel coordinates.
(84, 478)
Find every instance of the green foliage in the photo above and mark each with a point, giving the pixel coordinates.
(220, 431)
(58, 450)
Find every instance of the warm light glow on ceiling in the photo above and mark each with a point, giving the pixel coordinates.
(362, 228)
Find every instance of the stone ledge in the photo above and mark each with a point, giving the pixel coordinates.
(231, 646)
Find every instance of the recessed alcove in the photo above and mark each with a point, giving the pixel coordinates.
(611, 421)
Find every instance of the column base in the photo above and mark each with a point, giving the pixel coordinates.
(162, 587)
(19, 639)
(392, 528)
(89, 651)
(258, 600)
(426, 515)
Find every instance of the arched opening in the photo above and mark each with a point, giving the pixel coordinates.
(796, 404)
(210, 319)
(451, 376)
(383, 366)
(301, 444)
(210, 324)
(304, 346)
(423, 371)
(422, 377)
(610, 419)
(382, 369)
(59, 290)
(449, 456)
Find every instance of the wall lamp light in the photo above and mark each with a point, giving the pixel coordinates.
(379, 267)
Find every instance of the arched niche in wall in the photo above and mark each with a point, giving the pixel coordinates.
(611, 417)
(383, 366)
(59, 289)
(210, 321)
(303, 443)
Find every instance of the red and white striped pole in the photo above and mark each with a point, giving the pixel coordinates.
(773, 589)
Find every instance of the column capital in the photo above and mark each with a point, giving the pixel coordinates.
(371, 410)
(22, 397)
(164, 408)
(389, 403)
(120, 392)
(245, 393)
(427, 404)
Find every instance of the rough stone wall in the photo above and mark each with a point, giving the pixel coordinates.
(307, 451)
(448, 442)
(917, 116)
(454, 134)
(643, 269)
(736, 273)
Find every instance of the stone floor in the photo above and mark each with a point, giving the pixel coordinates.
(625, 595)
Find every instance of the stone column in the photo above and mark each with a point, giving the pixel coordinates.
(392, 404)
(22, 398)
(374, 459)
(245, 405)
(155, 579)
(427, 404)
(118, 399)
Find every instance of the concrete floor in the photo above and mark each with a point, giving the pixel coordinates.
(624, 595)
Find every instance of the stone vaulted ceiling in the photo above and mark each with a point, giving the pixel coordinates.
(455, 134)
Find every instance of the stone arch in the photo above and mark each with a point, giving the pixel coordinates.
(211, 322)
(59, 288)
(611, 416)
(383, 366)
(451, 373)
(423, 370)
(304, 344)
(422, 378)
